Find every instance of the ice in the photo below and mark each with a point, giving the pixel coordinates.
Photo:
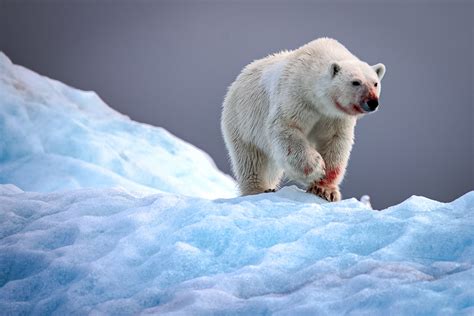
(105, 251)
(101, 215)
(54, 137)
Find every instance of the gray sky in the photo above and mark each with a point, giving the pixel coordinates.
(168, 63)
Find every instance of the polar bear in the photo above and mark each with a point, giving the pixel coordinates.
(294, 113)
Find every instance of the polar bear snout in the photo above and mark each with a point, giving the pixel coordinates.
(370, 105)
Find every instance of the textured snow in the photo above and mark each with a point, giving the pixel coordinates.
(54, 137)
(109, 252)
(121, 224)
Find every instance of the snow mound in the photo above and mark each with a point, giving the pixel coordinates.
(54, 137)
(104, 251)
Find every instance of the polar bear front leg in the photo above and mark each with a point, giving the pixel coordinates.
(299, 160)
(335, 152)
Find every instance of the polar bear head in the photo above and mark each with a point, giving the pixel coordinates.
(353, 88)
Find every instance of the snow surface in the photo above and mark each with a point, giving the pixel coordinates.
(121, 224)
(54, 137)
(104, 251)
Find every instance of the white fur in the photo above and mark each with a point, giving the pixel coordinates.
(291, 112)
(271, 77)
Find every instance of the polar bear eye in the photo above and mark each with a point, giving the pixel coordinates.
(376, 84)
(356, 83)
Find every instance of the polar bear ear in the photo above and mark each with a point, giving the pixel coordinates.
(380, 70)
(335, 68)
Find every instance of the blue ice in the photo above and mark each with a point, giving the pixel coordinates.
(56, 138)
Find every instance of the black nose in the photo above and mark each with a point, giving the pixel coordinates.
(373, 104)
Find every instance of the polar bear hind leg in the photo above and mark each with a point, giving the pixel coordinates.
(254, 170)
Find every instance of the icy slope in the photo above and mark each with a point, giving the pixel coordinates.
(108, 252)
(54, 137)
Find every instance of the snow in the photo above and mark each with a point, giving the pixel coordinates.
(55, 137)
(105, 216)
(105, 251)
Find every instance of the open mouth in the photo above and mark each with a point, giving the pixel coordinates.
(357, 109)
(352, 110)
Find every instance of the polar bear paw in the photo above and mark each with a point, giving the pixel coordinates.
(330, 194)
(306, 167)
